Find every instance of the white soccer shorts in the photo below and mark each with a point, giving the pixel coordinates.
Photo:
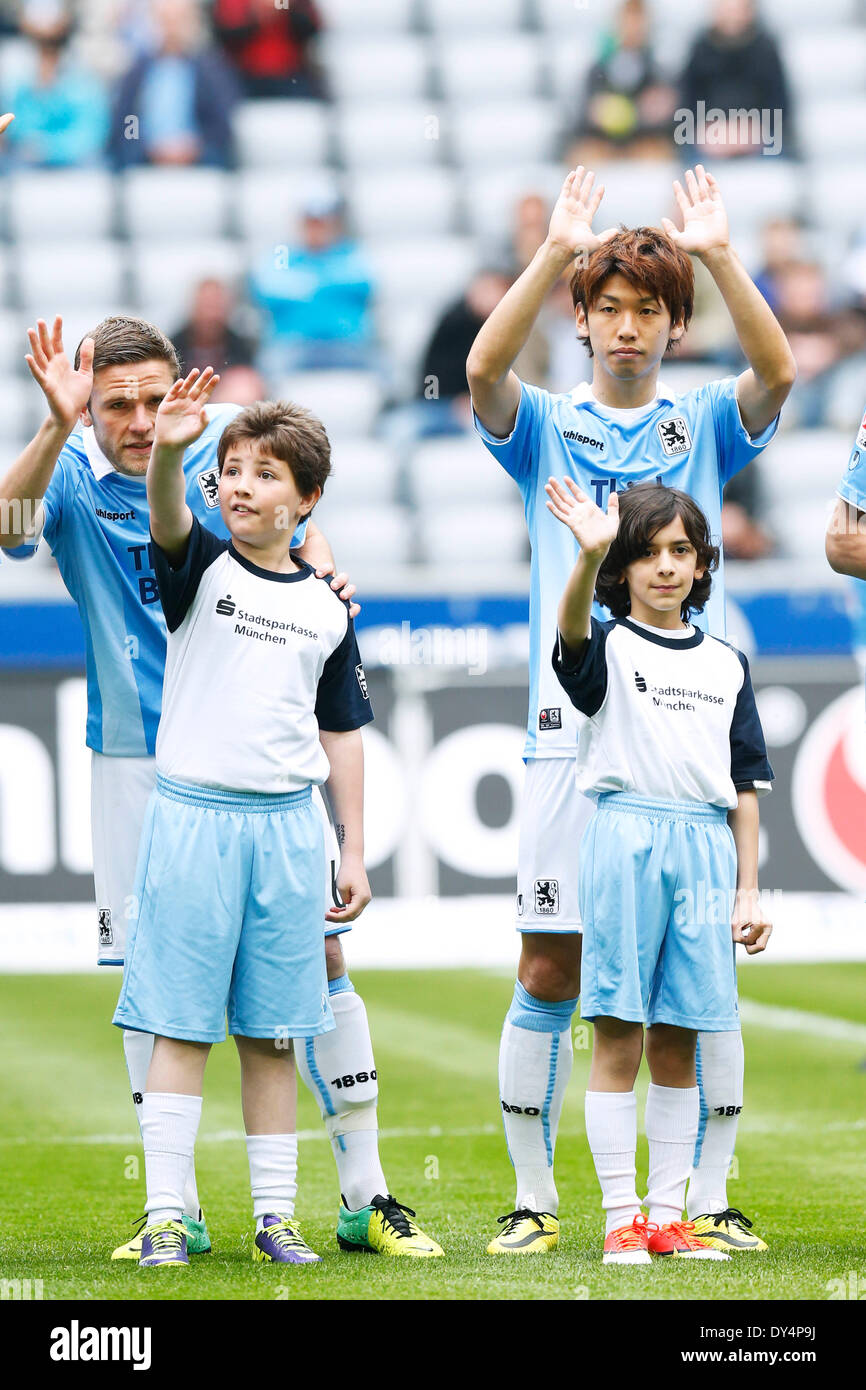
(553, 817)
(120, 789)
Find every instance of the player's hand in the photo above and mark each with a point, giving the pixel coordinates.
(341, 584)
(354, 889)
(576, 206)
(705, 222)
(750, 926)
(593, 529)
(66, 390)
(182, 417)
(6, 121)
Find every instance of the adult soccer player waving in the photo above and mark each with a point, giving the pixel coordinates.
(633, 294)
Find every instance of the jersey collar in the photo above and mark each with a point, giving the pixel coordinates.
(674, 644)
(582, 395)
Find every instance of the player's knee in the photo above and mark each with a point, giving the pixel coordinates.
(550, 979)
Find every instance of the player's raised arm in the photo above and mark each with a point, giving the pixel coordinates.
(764, 387)
(345, 785)
(594, 531)
(66, 391)
(845, 541)
(180, 421)
(494, 387)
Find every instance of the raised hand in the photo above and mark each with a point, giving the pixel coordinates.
(6, 121)
(576, 206)
(593, 529)
(182, 417)
(66, 390)
(705, 222)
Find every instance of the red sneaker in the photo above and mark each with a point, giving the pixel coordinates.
(678, 1238)
(627, 1245)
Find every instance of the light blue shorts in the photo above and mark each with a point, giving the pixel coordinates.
(657, 885)
(230, 891)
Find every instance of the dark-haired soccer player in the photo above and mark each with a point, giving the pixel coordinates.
(671, 750)
(633, 297)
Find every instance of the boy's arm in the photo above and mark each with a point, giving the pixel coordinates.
(180, 420)
(749, 923)
(764, 387)
(345, 753)
(494, 387)
(594, 531)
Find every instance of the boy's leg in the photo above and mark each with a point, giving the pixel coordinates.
(671, 1119)
(170, 1114)
(611, 1118)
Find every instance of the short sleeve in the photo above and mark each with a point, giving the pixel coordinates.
(518, 452)
(734, 444)
(583, 673)
(750, 767)
(852, 488)
(178, 587)
(342, 701)
(52, 513)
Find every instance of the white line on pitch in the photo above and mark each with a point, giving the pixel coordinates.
(800, 1021)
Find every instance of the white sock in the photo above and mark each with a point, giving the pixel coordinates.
(331, 1066)
(138, 1050)
(720, 1066)
(535, 1060)
(273, 1174)
(671, 1129)
(169, 1124)
(611, 1132)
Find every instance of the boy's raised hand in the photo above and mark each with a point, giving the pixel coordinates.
(576, 206)
(182, 417)
(593, 529)
(705, 222)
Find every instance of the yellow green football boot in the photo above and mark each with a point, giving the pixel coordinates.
(728, 1230)
(526, 1233)
(197, 1239)
(385, 1227)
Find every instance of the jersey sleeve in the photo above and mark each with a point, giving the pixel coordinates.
(735, 445)
(342, 701)
(750, 767)
(519, 451)
(583, 674)
(52, 512)
(299, 535)
(178, 587)
(852, 488)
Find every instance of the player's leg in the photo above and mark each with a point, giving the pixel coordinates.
(170, 1113)
(120, 791)
(535, 1052)
(720, 1068)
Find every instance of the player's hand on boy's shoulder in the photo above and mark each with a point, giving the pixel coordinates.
(182, 416)
(353, 887)
(593, 529)
(341, 584)
(750, 925)
(66, 389)
(705, 221)
(571, 219)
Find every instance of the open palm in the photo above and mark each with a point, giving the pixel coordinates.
(576, 206)
(182, 417)
(593, 529)
(66, 389)
(705, 222)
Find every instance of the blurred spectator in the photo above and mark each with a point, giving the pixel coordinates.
(734, 65)
(173, 105)
(628, 105)
(241, 386)
(443, 385)
(783, 244)
(207, 339)
(821, 336)
(61, 108)
(743, 536)
(316, 296)
(269, 45)
(531, 220)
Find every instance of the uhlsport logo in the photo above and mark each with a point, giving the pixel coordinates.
(829, 791)
(226, 606)
(209, 482)
(674, 436)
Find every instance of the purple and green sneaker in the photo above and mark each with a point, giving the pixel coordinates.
(280, 1242)
(163, 1243)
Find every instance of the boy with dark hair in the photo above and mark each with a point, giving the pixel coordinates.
(672, 751)
(264, 697)
(633, 295)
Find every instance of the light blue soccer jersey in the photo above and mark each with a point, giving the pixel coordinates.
(695, 442)
(853, 485)
(97, 525)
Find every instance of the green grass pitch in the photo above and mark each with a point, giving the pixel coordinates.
(72, 1178)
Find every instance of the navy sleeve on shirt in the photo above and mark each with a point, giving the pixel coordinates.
(178, 587)
(583, 674)
(749, 762)
(342, 702)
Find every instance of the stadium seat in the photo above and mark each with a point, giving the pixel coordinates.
(365, 539)
(804, 465)
(568, 62)
(61, 276)
(78, 319)
(637, 193)
(757, 189)
(175, 202)
(393, 67)
(422, 270)
(288, 133)
(473, 16)
(348, 16)
(501, 133)
(838, 193)
(164, 273)
(783, 16)
(496, 535)
(77, 203)
(846, 400)
(8, 287)
(364, 471)
(386, 134)
(509, 63)
(491, 197)
(826, 60)
(832, 127)
(404, 330)
(459, 466)
(408, 203)
(13, 343)
(21, 407)
(347, 402)
(268, 207)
